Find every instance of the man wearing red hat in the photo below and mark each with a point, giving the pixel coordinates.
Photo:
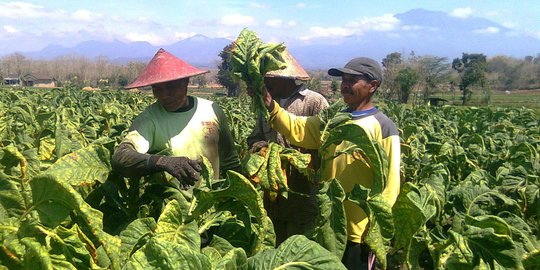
(295, 214)
(184, 127)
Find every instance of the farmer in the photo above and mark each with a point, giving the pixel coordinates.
(292, 215)
(186, 127)
(360, 79)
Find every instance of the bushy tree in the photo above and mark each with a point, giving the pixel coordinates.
(200, 80)
(435, 71)
(225, 75)
(392, 63)
(406, 79)
(472, 70)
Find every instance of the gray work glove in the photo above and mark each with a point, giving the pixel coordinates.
(257, 146)
(182, 168)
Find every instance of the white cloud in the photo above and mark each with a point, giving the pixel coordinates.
(10, 29)
(418, 27)
(22, 10)
(142, 19)
(383, 23)
(237, 20)
(509, 25)
(301, 5)
(291, 23)
(86, 15)
(462, 12)
(324, 32)
(182, 35)
(258, 5)
(223, 34)
(152, 38)
(487, 30)
(386, 22)
(276, 23)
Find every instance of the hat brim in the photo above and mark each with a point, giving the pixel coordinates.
(144, 82)
(301, 78)
(339, 72)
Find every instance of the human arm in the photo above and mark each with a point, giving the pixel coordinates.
(130, 163)
(300, 131)
(391, 145)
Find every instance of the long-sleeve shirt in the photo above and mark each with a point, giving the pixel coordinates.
(200, 129)
(305, 132)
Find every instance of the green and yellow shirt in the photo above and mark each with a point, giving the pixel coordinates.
(199, 129)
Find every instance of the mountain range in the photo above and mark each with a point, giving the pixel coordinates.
(421, 31)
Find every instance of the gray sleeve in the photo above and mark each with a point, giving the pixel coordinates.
(130, 163)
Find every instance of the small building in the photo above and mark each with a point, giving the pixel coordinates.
(436, 101)
(12, 80)
(38, 81)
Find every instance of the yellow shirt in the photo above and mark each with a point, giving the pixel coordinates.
(305, 132)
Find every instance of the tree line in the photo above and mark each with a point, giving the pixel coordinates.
(406, 76)
(427, 75)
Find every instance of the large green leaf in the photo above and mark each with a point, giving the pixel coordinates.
(331, 230)
(479, 199)
(171, 226)
(361, 142)
(221, 245)
(493, 247)
(532, 260)
(83, 167)
(163, 255)
(11, 199)
(52, 199)
(381, 224)
(74, 246)
(37, 257)
(238, 188)
(413, 208)
(251, 60)
(136, 235)
(297, 252)
(235, 259)
(55, 200)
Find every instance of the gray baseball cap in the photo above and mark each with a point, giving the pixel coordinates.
(360, 66)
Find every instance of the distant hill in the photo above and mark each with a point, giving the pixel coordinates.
(422, 31)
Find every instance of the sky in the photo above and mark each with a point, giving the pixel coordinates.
(31, 25)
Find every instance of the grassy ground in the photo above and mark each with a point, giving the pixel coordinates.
(520, 98)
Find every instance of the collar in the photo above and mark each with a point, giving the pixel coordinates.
(363, 113)
(300, 90)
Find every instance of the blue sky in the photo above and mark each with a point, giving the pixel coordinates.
(31, 25)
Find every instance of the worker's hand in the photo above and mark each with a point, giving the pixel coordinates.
(182, 168)
(257, 146)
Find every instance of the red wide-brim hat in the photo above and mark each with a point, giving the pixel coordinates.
(164, 67)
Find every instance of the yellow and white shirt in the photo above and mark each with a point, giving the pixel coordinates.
(305, 132)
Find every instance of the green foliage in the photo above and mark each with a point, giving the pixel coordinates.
(225, 72)
(296, 252)
(470, 199)
(266, 168)
(472, 69)
(251, 60)
(406, 79)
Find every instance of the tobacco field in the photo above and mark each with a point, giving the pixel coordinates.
(470, 196)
